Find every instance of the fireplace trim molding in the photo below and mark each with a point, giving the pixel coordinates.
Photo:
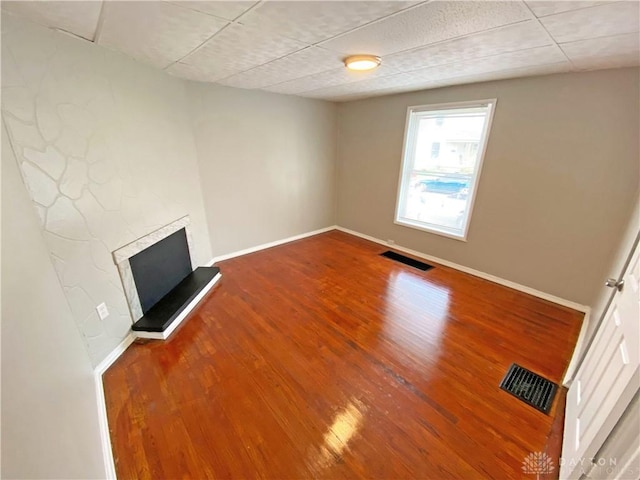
(122, 255)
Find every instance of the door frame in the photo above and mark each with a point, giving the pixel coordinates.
(583, 344)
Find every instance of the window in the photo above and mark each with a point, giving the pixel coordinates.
(435, 149)
(443, 152)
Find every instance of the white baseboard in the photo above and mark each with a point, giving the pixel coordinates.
(475, 273)
(113, 356)
(107, 453)
(577, 351)
(180, 318)
(103, 422)
(264, 246)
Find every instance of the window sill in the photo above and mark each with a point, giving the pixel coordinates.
(434, 230)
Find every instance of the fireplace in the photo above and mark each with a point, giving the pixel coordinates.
(159, 281)
(159, 268)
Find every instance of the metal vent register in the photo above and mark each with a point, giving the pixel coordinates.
(529, 387)
(412, 262)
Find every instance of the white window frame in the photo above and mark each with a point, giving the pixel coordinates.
(408, 152)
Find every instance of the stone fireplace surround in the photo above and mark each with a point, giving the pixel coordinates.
(121, 258)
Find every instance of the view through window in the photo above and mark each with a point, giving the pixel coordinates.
(443, 152)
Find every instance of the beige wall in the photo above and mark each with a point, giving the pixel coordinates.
(267, 164)
(557, 187)
(106, 150)
(49, 409)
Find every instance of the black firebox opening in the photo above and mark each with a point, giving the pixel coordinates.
(160, 267)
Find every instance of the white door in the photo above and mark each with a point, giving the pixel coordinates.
(607, 379)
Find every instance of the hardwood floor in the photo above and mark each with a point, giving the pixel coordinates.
(319, 358)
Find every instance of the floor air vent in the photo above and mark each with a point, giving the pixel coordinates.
(529, 387)
(406, 260)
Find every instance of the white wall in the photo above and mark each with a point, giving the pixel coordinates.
(558, 184)
(267, 164)
(49, 416)
(106, 150)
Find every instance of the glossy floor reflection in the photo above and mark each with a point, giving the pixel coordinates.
(322, 359)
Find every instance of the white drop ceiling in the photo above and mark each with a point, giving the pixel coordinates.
(297, 47)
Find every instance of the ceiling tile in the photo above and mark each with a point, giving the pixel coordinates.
(620, 60)
(608, 19)
(330, 78)
(429, 23)
(235, 49)
(606, 52)
(79, 18)
(501, 40)
(542, 8)
(400, 88)
(313, 21)
(305, 62)
(159, 33)
(222, 9)
(507, 61)
(189, 72)
(296, 47)
(499, 75)
(542, 69)
(212, 72)
(361, 87)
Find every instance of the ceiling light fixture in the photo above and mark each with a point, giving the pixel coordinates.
(362, 62)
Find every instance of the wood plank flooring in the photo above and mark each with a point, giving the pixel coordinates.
(322, 359)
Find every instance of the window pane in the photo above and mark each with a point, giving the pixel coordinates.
(448, 144)
(440, 167)
(438, 199)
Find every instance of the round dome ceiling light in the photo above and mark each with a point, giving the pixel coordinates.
(362, 62)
